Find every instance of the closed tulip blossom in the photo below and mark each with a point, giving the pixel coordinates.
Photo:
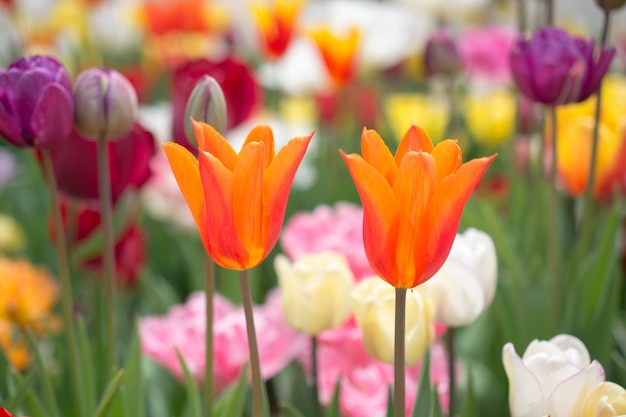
(36, 106)
(552, 67)
(374, 311)
(441, 55)
(339, 52)
(605, 400)
(552, 378)
(412, 202)
(106, 104)
(238, 201)
(315, 291)
(466, 283)
(276, 21)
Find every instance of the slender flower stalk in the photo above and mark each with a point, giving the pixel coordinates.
(553, 219)
(209, 289)
(451, 345)
(399, 394)
(549, 12)
(255, 363)
(66, 285)
(108, 253)
(314, 378)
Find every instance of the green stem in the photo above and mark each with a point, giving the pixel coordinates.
(450, 344)
(553, 226)
(66, 285)
(108, 253)
(550, 12)
(314, 378)
(255, 363)
(591, 179)
(209, 289)
(399, 400)
(521, 16)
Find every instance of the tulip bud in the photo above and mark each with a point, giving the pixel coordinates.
(610, 4)
(206, 104)
(105, 104)
(315, 291)
(374, 304)
(11, 235)
(441, 55)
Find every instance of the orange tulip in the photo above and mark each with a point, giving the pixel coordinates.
(412, 203)
(338, 52)
(276, 21)
(237, 201)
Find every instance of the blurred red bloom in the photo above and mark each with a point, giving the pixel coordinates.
(240, 90)
(161, 17)
(75, 164)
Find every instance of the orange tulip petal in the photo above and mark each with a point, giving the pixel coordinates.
(187, 173)
(224, 244)
(448, 156)
(415, 139)
(414, 187)
(263, 134)
(247, 203)
(210, 140)
(276, 186)
(447, 206)
(380, 211)
(377, 154)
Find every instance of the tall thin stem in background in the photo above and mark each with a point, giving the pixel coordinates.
(66, 284)
(399, 394)
(553, 225)
(209, 289)
(450, 344)
(255, 363)
(314, 378)
(550, 12)
(108, 253)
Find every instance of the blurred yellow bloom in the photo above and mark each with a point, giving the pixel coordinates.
(11, 235)
(490, 116)
(27, 296)
(66, 18)
(315, 291)
(575, 123)
(431, 112)
(374, 304)
(605, 400)
(338, 52)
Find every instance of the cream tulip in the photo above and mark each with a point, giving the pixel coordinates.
(551, 379)
(374, 310)
(466, 283)
(605, 400)
(315, 291)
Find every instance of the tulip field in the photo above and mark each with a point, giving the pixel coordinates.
(309, 208)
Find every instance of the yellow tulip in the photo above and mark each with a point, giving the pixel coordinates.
(605, 400)
(429, 111)
(315, 291)
(490, 116)
(374, 311)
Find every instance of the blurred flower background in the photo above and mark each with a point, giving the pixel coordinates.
(537, 262)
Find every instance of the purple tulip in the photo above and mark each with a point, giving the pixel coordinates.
(36, 106)
(441, 55)
(553, 67)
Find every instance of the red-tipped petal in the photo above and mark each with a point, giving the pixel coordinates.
(377, 154)
(211, 141)
(276, 185)
(415, 139)
(187, 173)
(224, 244)
(248, 193)
(380, 211)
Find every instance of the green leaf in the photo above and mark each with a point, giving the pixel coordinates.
(132, 390)
(469, 407)
(333, 408)
(423, 406)
(287, 410)
(49, 396)
(109, 393)
(88, 381)
(232, 402)
(191, 388)
(24, 386)
(35, 408)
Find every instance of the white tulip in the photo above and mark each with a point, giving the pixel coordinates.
(551, 379)
(466, 283)
(315, 291)
(374, 303)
